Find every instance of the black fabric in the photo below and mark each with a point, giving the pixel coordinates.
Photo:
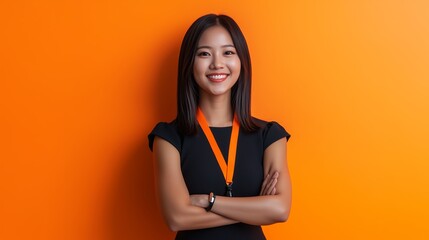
(202, 174)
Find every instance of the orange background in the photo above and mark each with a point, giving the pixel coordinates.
(83, 82)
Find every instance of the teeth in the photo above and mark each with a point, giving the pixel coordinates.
(217, 76)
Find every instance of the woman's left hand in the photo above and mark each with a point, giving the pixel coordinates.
(200, 200)
(269, 184)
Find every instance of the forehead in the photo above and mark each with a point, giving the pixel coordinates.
(215, 36)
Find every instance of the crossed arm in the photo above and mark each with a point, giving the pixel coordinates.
(185, 212)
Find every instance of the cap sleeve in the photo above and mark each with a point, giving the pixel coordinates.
(167, 132)
(273, 132)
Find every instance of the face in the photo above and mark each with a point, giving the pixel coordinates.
(216, 64)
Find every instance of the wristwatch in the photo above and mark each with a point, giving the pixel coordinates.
(212, 198)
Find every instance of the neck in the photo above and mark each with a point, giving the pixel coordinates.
(217, 110)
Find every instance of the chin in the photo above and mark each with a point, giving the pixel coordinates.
(215, 91)
(220, 92)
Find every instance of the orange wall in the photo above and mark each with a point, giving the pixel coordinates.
(83, 83)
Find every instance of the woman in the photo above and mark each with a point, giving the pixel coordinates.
(221, 173)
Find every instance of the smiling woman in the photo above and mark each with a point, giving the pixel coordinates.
(221, 173)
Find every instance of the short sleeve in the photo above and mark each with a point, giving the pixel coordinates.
(273, 132)
(167, 132)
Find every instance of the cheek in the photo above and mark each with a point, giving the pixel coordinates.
(196, 71)
(199, 67)
(235, 65)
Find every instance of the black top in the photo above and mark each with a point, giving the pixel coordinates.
(202, 174)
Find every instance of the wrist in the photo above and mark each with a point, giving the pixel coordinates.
(211, 201)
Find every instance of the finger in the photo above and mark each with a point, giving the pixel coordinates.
(264, 184)
(271, 186)
(274, 177)
(276, 174)
(268, 186)
(268, 182)
(274, 191)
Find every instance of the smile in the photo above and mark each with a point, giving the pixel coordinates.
(217, 77)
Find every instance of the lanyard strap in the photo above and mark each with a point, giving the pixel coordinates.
(227, 170)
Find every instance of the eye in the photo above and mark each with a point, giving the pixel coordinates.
(203, 54)
(229, 53)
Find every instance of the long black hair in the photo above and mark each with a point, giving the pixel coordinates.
(187, 88)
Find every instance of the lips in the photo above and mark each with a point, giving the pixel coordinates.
(217, 77)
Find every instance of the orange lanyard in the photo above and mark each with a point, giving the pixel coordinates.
(227, 170)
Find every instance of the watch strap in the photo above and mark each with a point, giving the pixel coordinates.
(212, 198)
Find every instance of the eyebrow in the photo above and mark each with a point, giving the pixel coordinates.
(228, 45)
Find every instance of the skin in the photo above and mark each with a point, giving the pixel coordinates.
(216, 54)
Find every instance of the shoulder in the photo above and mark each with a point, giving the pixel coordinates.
(271, 131)
(270, 126)
(168, 131)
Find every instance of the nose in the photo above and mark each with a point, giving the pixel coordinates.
(217, 63)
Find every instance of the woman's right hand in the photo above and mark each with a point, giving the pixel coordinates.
(269, 184)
